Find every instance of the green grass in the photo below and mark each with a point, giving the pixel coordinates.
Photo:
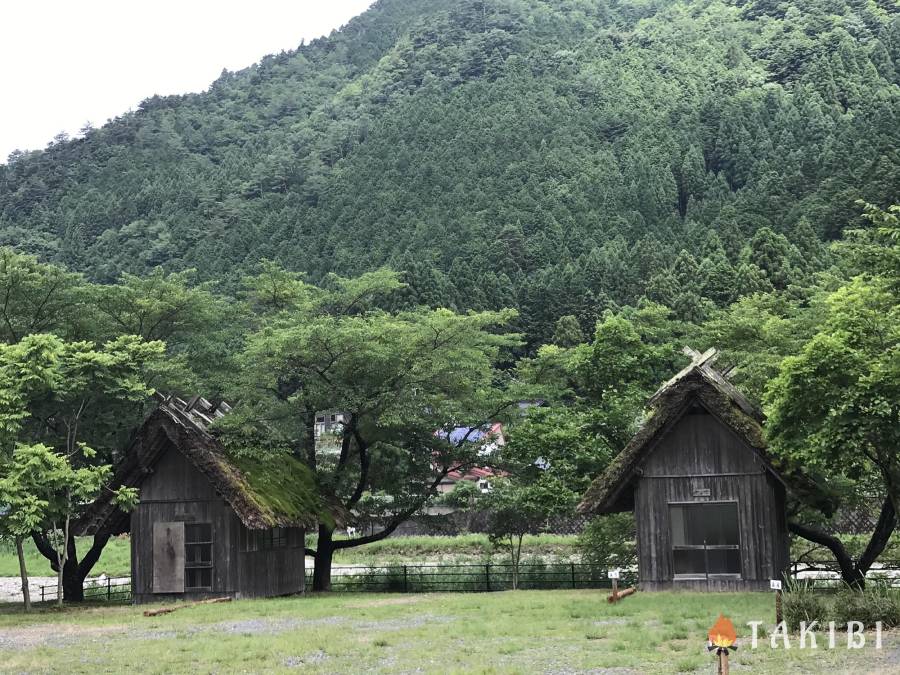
(435, 548)
(115, 560)
(511, 632)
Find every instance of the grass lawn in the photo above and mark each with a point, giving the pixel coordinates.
(509, 632)
(478, 546)
(114, 561)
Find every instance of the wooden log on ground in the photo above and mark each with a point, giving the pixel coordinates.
(622, 594)
(169, 610)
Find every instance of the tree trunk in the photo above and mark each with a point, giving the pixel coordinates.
(64, 557)
(23, 573)
(324, 556)
(72, 582)
(73, 574)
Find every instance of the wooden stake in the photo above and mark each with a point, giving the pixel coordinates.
(615, 591)
(779, 617)
(723, 661)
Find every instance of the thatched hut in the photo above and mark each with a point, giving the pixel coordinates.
(209, 522)
(708, 504)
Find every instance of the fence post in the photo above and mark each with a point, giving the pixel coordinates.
(405, 580)
(108, 589)
(573, 575)
(42, 594)
(487, 576)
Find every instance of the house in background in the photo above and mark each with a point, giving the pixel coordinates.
(709, 506)
(481, 476)
(489, 439)
(330, 423)
(208, 523)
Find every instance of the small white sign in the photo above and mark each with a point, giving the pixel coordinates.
(775, 584)
(613, 574)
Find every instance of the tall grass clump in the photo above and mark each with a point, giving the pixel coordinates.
(802, 601)
(876, 602)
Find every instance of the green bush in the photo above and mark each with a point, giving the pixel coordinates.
(877, 602)
(609, 541)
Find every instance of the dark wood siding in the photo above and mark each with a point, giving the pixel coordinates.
(278, 571)
(702, 460)
(178, 492)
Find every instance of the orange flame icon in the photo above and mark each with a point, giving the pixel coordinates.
(722, 633)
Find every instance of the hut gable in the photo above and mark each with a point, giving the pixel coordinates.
(175, 441)
(699, 389)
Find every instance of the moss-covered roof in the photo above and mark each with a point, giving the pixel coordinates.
(698, 383)
(275, 490)
(282, 488)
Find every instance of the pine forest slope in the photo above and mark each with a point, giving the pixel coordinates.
(560, 157)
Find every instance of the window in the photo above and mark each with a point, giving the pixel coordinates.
(705, 538)
(198, 565)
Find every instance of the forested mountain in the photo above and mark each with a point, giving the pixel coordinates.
(561, 157)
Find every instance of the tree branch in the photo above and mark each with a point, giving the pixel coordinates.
(398, 519)
(833, 544)
(93, 555)
(42, 544)
(363, 468)
(881, 535)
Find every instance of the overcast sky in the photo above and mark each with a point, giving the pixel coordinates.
(66, 62)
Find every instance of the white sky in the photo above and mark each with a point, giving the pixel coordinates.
(66, 62)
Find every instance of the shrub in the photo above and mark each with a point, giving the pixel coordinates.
(463, 495)
(877, 602)
(609, 541)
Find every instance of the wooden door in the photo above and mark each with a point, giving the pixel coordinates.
(168, 557)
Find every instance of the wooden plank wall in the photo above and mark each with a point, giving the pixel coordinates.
(279, 571)
(700, 453)
(177, 492)
(163, 499)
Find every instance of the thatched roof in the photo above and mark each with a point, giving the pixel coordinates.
(279, 491)
(699, 383)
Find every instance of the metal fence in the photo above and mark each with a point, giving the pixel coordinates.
(485, 577)
(826, 574)
(111, 589)
(470, 577)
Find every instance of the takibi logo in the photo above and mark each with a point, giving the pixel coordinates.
(723, 637)
(780, 637)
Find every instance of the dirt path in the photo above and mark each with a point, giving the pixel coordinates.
(53, 635)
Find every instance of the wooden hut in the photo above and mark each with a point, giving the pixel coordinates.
(209, 523)
(709, 507)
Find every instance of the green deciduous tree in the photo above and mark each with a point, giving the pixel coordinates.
(65, 409)
(834, 407)
(514, 510)
(403, 380)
